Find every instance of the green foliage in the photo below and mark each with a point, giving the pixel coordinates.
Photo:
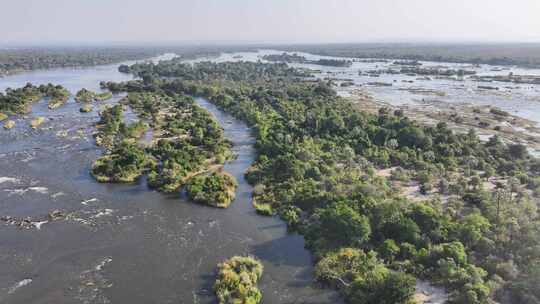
(19, 101)
(124, 165)
(236, 282)
(84, 95)
(338, 225)
(317, 154)
(363, 278)
(216, 189)
(391, 288)
(525, 289)
(389, 250)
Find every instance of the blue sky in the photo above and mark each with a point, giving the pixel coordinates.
(37, 21)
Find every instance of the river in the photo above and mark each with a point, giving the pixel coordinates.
(126, 243)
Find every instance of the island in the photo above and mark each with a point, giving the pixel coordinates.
(20, 100)
(188, 147)
(216, 189)
(237, 279)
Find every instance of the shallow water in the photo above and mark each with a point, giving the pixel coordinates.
(521, 99)
(125, 243)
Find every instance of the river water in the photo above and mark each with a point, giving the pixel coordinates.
(125, 243)
(518, 99)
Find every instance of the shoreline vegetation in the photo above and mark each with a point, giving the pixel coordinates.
(318, 165)
(20, 100)
(216, 189)
(187, 147)
(86, 96)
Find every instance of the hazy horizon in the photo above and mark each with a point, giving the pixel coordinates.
(273, 22)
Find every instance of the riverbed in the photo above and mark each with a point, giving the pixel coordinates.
(125, 243)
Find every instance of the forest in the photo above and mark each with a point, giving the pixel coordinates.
(317, 168)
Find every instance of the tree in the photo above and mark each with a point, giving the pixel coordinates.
(517, 151)
(389, 250)
(382, 288)
(339, 223)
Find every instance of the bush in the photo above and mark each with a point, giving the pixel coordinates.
(124, 165)
(341, 268)
(216, 189)
(341, 225)
(382, 288)
(237, 281)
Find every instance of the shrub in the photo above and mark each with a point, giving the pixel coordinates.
(216, 189)
(124, 165)
(237, 279)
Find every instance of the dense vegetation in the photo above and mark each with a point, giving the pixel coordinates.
(19, 100)
(125, 163)
(187, 141)
(216, 189)
(87, 96)
(317, 164)
(236, 282)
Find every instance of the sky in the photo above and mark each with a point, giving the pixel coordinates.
(268, 21)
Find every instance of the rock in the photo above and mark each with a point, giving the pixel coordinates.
(86, 108)
(37, 122)
(56, 215)
(9, 124)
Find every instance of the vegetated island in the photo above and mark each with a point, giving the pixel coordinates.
(217, 189)
(187, 144)
(295, 58)
(20, 100)
(319, 166)
(86, 96)
(237, 279)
